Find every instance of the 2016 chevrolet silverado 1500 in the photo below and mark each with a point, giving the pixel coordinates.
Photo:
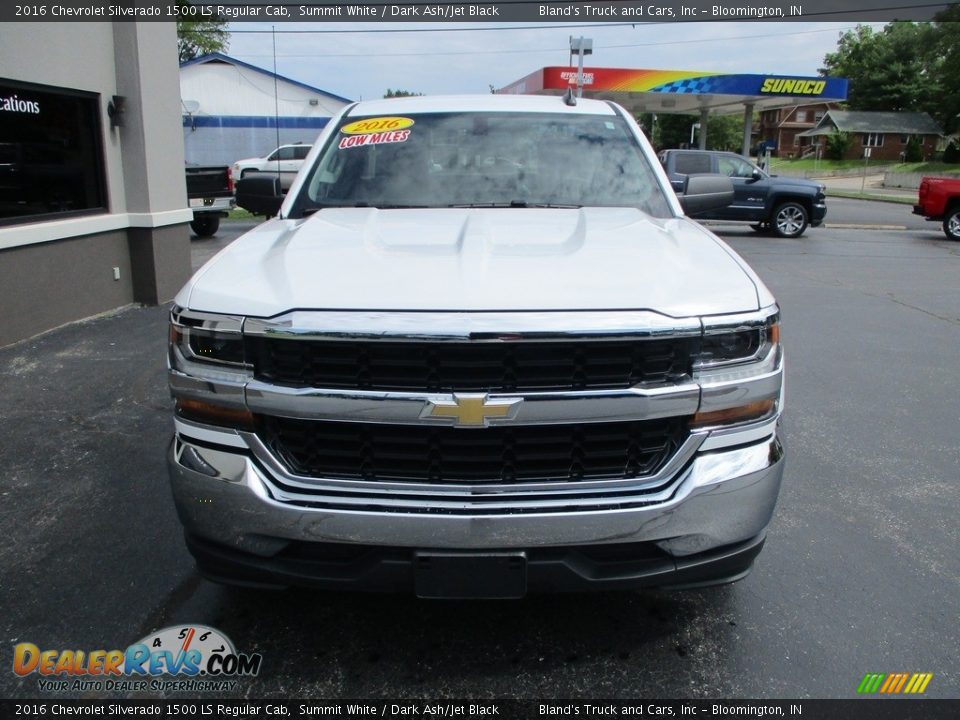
(479, 350)
(784, 206)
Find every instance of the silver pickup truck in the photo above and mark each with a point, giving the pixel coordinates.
(480, 350)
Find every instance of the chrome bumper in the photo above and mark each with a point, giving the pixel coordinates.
(724, 493)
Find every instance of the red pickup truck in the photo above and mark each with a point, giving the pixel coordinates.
(940, 200)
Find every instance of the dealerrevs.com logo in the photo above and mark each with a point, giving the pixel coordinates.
(187, 658)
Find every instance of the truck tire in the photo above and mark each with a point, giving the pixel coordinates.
(789, 220)
(205, 226)
(951, 223)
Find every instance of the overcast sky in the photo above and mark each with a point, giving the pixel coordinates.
(363, 65)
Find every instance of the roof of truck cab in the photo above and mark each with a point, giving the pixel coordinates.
(479, 103)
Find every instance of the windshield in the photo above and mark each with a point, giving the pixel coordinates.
(483, 160)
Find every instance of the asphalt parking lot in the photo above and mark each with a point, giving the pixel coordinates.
(860, 572)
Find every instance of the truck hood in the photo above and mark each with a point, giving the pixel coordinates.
(476, 259)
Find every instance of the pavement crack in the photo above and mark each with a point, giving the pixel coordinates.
(893, 298)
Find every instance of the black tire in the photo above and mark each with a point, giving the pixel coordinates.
(760, 227)
(789, 220)
(951, 223)
(205, 226)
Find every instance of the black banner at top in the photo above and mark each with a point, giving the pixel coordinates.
(615, 11)
(211, 708)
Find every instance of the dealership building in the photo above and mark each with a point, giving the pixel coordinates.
(233, 110)
(93, 207)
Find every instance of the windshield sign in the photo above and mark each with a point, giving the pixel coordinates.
(483, 160)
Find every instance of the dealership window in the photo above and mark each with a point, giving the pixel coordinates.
(904, 139)
(818, 116)
(801, 115)
(873, 139)
(51, 153)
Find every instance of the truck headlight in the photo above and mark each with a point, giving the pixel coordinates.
(724, 346)
(207, 346)
(739, 369)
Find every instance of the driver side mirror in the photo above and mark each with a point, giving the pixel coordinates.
(756, 175)
(260, 195)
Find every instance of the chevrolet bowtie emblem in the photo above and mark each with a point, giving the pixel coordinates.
(471, 409)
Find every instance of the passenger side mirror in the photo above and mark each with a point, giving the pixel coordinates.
(260, 195)
(703, 193)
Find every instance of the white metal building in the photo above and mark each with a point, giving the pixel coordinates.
(234, 110)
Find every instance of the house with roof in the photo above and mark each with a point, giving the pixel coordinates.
(780, 128)
(233, 110)
(886, 134)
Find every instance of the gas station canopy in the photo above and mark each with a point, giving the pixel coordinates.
(683, 91)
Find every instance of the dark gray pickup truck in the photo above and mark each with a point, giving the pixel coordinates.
(210, 192)
(784, 206)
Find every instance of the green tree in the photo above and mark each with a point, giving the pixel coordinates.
(400, 93)
(914, 150)
(952, 153)
(725, 132)
(672, 131)
(899, 68)
(946, 46)
(199, 37)
(837, 145)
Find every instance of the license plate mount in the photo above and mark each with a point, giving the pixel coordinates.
(470, 576)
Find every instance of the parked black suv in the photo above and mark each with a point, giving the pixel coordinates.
(782, 205)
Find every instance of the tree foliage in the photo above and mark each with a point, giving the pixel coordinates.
(199, 37)
(952, 153)
(946, 45)
(905, 67)
(724, 132)
(400, 93)
(837, 145)
(914, 150)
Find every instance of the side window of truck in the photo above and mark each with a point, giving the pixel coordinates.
(691, 163)
(734, 167)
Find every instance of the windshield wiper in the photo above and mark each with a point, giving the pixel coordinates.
(361, 204)
(515, 204)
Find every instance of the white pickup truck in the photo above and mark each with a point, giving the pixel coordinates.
(480, 350)
(284, 162)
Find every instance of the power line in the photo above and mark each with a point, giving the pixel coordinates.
(547, 50)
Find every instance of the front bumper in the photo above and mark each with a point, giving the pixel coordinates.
(818, 214)
(705, 524)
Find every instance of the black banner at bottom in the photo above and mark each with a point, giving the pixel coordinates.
(853, 709)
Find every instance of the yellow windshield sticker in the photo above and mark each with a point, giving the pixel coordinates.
(376, 125)
(374, 138)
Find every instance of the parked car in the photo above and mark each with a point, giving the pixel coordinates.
(479, 350)
(939, 199)
(782, 205)
(284, 162)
